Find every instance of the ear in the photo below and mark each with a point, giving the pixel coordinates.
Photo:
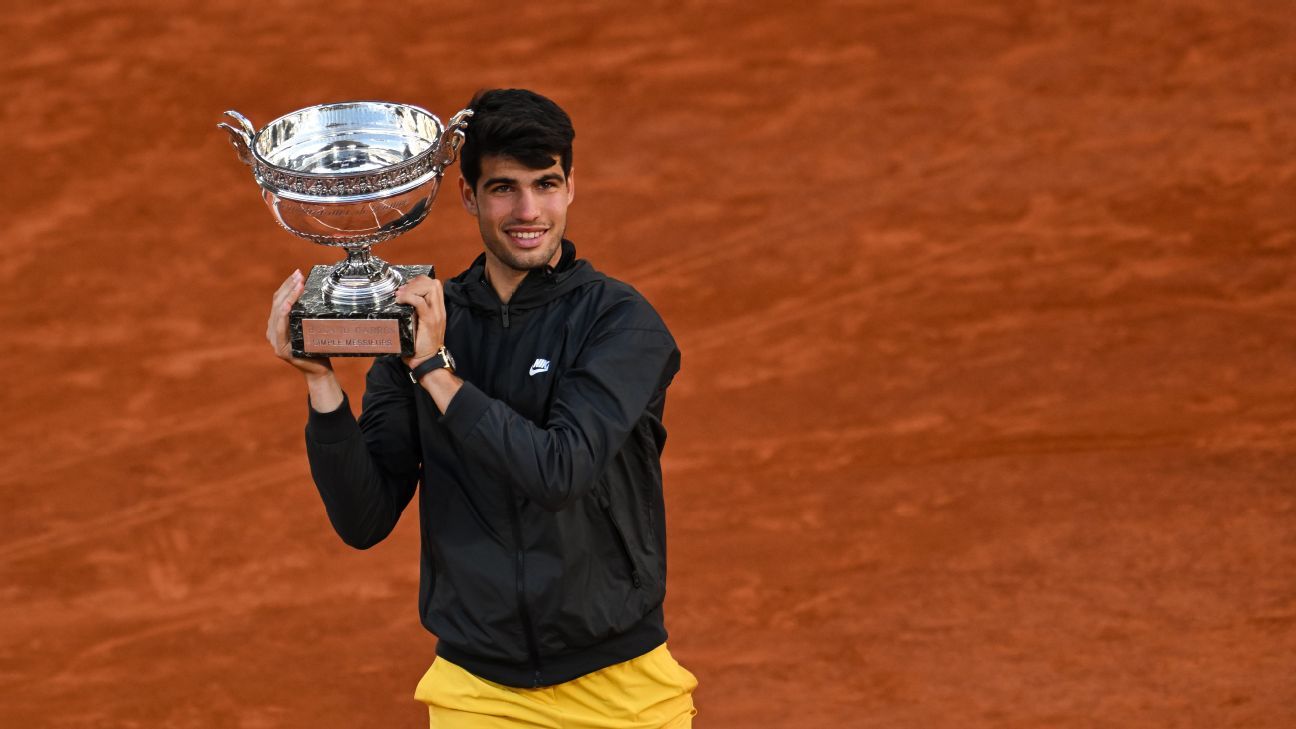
(467, 196)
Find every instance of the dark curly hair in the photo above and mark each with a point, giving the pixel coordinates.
(515, 123)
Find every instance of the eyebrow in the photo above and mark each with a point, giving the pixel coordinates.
(551, 177)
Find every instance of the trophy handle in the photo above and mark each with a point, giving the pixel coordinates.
(241, 138)
(452, 138)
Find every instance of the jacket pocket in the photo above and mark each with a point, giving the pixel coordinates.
(606, 505)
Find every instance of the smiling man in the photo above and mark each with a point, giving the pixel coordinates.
(531, 415)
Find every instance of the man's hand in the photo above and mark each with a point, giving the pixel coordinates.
(427, 298)
(277, 328)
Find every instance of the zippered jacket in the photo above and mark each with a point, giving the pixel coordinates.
(541, 510)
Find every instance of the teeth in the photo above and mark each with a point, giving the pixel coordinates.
(527, 236)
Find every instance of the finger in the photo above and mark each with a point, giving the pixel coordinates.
(283, 290)
(412, 291)
(277, 325)
(287, 285)
(288, 282)
(420, 285)
(293, 294)
(436, 301)
(410, 298)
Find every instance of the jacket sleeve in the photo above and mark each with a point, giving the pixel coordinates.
(366, 471)
(597, 403)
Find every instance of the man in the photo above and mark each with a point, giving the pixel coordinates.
(531, 414)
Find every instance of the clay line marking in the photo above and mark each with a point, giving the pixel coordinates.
(150, 510)
(724, 334)
(69, 673)
(158, 430)
(1031, 444)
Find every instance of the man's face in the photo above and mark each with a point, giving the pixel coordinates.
(521, 212)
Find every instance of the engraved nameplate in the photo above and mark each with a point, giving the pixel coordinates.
(351, 336)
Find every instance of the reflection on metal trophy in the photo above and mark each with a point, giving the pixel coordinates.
(351, 174)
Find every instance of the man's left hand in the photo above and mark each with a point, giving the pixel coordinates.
(428, 300)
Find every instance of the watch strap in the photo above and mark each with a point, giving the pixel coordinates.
(438, 361)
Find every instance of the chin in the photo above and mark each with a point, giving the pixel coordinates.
(536, 257)
(525, 260)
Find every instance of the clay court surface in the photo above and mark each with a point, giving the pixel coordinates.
(987, 415)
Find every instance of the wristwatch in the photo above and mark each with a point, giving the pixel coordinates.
(438, 361)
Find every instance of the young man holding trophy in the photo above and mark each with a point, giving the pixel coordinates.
(530, 411)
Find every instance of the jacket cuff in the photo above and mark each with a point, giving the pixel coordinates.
(334, 426)
(466, 408)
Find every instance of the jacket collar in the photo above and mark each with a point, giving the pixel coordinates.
(540, 286)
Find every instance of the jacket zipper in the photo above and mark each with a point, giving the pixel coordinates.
(621, 540)
(520, 572)
(519, 564)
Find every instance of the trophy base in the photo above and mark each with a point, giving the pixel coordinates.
(320, 330)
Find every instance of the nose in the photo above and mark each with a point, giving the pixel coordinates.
(526, 207)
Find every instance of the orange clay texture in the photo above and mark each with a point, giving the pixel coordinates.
(987, 415)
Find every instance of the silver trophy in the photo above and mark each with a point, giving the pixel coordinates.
(351, 174)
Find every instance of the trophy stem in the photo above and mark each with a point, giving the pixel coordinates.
(363, 280)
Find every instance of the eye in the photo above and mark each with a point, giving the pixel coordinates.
(501, 189)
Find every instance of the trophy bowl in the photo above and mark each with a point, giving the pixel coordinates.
(350, 174)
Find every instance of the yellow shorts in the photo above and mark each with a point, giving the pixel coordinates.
(652, 690)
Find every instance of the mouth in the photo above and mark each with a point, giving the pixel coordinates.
(526, 237)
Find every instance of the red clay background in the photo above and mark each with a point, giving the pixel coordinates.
(987, 414)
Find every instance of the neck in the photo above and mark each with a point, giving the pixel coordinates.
(506, 280)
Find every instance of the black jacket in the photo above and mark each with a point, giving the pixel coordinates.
(542, 519)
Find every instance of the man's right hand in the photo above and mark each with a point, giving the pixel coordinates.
(277, 328)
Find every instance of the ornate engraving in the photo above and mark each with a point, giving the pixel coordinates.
(332, 185)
